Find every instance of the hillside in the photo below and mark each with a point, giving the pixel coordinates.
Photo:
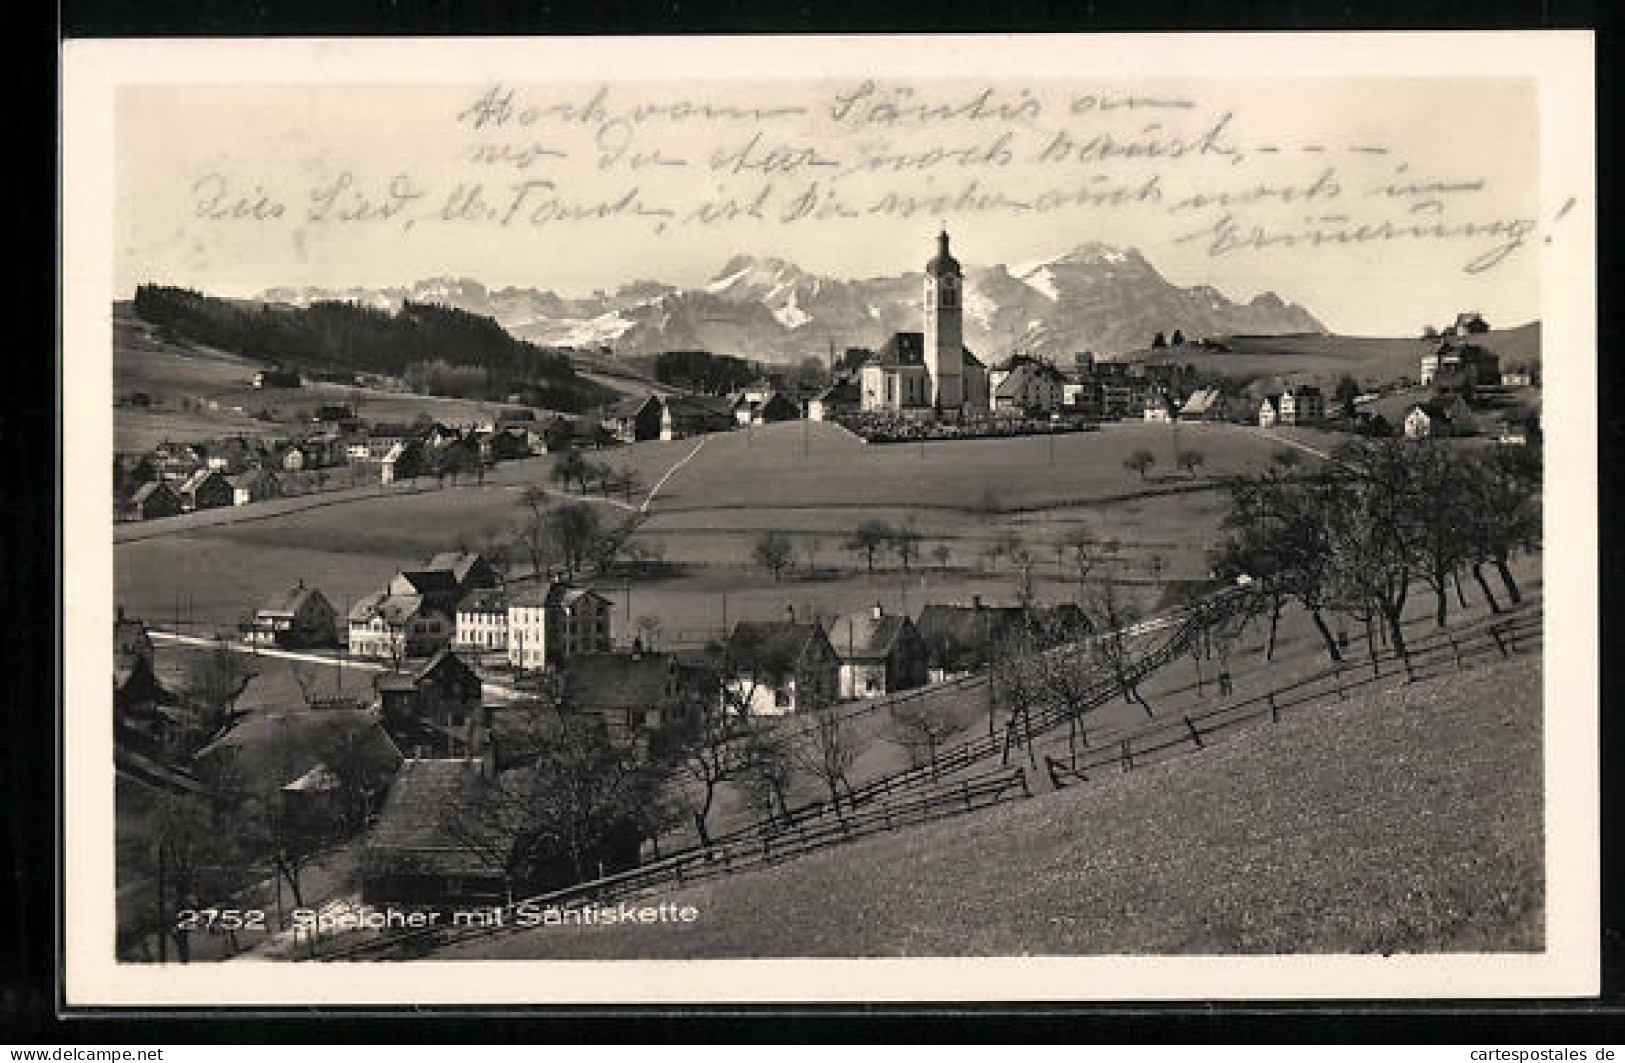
(1278, 360)
(1407, 820)
(1094, 297)
(449, 344)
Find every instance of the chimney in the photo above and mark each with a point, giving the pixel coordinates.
(879, 611)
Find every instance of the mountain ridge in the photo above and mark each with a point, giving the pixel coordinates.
(1093, 297)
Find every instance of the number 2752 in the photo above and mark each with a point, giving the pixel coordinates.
(220, 919)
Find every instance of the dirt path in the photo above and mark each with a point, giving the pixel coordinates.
(655, 490)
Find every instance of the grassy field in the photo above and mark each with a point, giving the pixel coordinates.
(215, 569)
(1408, 820)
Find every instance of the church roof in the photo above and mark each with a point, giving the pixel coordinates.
(908, 348)
(943, 263)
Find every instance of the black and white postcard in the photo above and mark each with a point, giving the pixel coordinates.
(829, 519)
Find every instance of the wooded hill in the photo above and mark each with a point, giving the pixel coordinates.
(348, 336)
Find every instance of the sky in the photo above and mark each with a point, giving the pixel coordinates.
(234, 189)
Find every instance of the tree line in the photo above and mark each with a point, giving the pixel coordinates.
(440, 342)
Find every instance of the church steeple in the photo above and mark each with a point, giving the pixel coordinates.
(944, 263)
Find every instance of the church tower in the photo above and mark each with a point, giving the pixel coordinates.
(944, 328)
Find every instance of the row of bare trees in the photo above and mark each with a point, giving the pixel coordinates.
(1353, 537)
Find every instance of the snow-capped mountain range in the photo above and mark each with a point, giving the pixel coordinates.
(1094, 297)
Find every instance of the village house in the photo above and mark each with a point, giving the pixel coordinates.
(1028, 388)
(404, 461)
(1269, 411)
(634, 418)
(254, 485)
(963, 639)
(1303, 404)
(298, 618)
(1429, 420)
(684, 416)
(130, 640)
(776, 667)
(548, 623)
(177, 461)
(276, 378)
(482, 622)
(880, 653)
(433, 843)
(1519, 378)
(1480, 364)
(151, 501)
(775, 406)
(636, 693)
(840, 399)
(469, 570)
(397, 626)
(205, 489)
(328, 767)
(1204, 404)
(433, 708)
(1470, 323)
(1161, 410)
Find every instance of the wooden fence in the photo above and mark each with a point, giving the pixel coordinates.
(700, 864)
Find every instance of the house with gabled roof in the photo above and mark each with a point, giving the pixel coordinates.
(469, 568)
(880, 653)
(390, 625)
(151, 501)
(683, 416)
(482, 622)
(297, 618)
(776, 667)
(205, 489)
(963, 639)
(434, 707)
(254, 485)
(838, 400)
(635, 692)
(1269, 411)
(634, 418)
(434, 841)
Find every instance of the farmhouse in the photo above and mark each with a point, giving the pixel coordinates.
(880, 653)
(776, 667)
(1269, 411)
(1161, 410)
(254, 485)
(265, 751)
(434, 707)
(549, 623)
(1481, 365)
(438, 586)
(634, 418)
(635, 693)
(469, 569)
(1027, 387)
(838, 400)
(296, 618)
(774, 406)
(683, 416)
(1428, 420)
(152, 500)
(1303, 404)
(963, 639)
(433, 844)
(276, 378)
(403, 461)
(1204, 404)
(130, 641)
(205, 489)
(929, 373)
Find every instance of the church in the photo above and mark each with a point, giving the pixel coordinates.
(929, 374)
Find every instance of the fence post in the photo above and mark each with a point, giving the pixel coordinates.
(1128, 757)
(1500, 643)
(1456, 648)
(1275, 712)
(1049, 765)
(965, 787)
(1021, 776)
(1196, 736)
(1340, 681)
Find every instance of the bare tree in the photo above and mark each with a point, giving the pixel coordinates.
(827, 750)
(1109, 615)
(905, 541)
(867, 539)
(918, 729)
(1191, 460)
(773, 551)
(709, 756)
(767, 769)
(942, 552)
